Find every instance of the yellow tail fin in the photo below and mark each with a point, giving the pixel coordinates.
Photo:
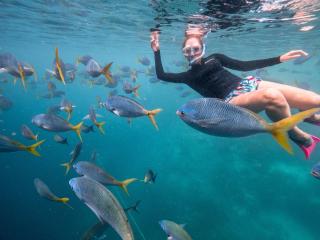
(58, 65)
(151, 115)
(21, 72)
(32, 148)
(67, 166)
(100, 126)
(279, 129)
(125, 183)
(106, 72)
(77, 129)
(64, 200)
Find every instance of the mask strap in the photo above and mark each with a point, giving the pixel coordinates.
(202, 54)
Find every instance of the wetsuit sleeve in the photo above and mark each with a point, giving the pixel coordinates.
(168, 77)
(245, 65)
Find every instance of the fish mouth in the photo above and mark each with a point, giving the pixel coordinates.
(315, 174)
(179, 113)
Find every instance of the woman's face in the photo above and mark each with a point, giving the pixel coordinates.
(192, 49)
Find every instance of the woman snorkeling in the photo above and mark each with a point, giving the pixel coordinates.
(210, 78)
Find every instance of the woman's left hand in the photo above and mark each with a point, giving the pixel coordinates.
(293, 55)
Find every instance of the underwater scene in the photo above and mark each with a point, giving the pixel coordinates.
(101, 137)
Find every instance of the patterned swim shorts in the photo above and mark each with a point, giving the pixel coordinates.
(248, 84)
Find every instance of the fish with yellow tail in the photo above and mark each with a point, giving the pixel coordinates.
(103, 204)
(93, 117)
(91, 170)
(45, 192)
(59, 67)
(216, 117)
(125, 107)
(9, 145)
(74, 155)
(94, 69)
(53, 123)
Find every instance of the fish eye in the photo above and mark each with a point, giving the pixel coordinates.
(182, 112)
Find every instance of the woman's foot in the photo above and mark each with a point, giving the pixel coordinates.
(306, 142)
(315, 119)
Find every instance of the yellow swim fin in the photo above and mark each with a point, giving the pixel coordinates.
(58, 65)
(151, 115)
(32, 148)
(279, 129)
(125, 183)
(64, 200)
(77, 129)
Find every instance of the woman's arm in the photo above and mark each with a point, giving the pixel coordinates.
(168, 77)
(245, 65)
(256, 64)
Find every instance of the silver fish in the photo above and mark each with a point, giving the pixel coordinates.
(150, 177)
(27, 133)
(54, 123)
(216, 117)
(174, 231)
(126, 107)
(74, 155)
(103, 203)
(93, 171)
(59, 139)
(44, 191)
(9, 145)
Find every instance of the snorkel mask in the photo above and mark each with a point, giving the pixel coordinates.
(190, 52)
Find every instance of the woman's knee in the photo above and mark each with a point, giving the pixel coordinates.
(274, 98)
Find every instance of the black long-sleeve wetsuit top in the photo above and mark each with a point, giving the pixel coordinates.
(210, 78)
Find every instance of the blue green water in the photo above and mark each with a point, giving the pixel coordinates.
(221, 188)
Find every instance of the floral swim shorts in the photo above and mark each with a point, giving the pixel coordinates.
(248, 84)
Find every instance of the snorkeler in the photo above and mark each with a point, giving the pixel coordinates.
(208, 76)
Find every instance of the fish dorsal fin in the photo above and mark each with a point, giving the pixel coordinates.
(182, 225)
(95, 212)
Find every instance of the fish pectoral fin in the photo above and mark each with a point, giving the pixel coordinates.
(95, 212)
(116, 112)
(86, 117)
(209, 123)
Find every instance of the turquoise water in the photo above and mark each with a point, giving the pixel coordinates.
(221, 188)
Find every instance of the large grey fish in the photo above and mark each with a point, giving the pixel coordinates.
(94, 69)
(74, 155)
(104, 204)
(27, 133)
(96, 231)
(174, 231)
(54, 123)
(93, 171)
(125, 107)
(9, 145)
(219, 118)
(44, 191)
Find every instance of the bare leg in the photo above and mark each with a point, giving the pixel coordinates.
(276, 106)
(296, 97)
